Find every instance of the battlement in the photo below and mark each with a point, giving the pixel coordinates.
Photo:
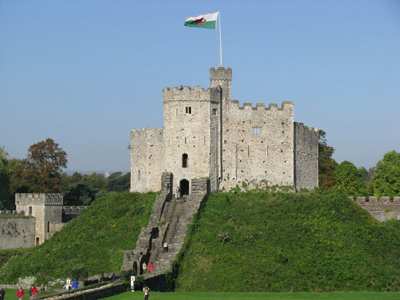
(73, 210)
(188, 94)
(10, 213)
(374, 201)
(220, 73)
(148, 131)
(38, 199)
(286, 105)
(304, 127)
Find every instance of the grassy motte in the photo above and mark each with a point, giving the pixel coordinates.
(261, 241)
(92, 243)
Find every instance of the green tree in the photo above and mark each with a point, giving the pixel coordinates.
(5, 176)
(326, 164)
(350, 180)
(83, 189)
(386, 180)
(40, 171)
(119, 183)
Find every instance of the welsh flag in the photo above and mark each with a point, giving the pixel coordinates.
(207, 21)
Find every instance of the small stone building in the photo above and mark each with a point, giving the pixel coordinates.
(208, 135)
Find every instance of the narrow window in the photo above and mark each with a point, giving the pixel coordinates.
(184, 160)
(257, 130)
(185, 140)
(188, 110)
(214, 111)
(30, 210)
(48, 226)
(138, 175)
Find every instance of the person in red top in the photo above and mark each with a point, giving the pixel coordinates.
(20, 293)
(150, 267)
(33, 292)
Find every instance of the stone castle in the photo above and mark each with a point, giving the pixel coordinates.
(36, 218)
(207, 135)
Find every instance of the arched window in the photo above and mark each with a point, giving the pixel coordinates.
(184, 160)
(37, 241)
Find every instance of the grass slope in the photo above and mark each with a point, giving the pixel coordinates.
(91, 243)
(262, 241)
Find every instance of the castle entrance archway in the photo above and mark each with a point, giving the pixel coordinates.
(184, 186)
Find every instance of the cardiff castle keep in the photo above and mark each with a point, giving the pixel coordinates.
(206, 134)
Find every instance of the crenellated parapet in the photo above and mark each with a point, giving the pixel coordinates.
(385, 209)
(73, 210)
(10, 213)
(39, 199)
(220, 73)
(188, 94)
(286, 106)
(373, 201)
(305, 128)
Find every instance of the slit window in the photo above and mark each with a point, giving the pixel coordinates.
(188, 110)
(257, 130)
(184, 160)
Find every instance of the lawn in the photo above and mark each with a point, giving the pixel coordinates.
(256, 296)
(12, 294)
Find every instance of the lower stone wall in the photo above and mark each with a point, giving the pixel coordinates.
(17, 232)
(90, 294)
(382, 210)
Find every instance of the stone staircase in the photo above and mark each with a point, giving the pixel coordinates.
(168, 222)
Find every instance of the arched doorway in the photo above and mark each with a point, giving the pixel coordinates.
(184, 186)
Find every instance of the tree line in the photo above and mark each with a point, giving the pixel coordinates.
(381, 180)
(42, 172)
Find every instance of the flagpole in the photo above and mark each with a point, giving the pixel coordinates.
(220, 40)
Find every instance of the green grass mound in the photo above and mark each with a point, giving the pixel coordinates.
(263, 242)
(90, 244)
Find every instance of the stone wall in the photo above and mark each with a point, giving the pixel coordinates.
(16, 232)
(258, 144)
(47, 210)
(306, 157)
(383, 210)
(147, 159)
(191, 119)
(206, 134)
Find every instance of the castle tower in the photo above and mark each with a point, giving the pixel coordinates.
(222, 77)
(191, 135)
(46, 208)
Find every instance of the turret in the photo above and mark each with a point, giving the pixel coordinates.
(222, 77)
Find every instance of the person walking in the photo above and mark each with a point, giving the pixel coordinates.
(151, 267)
(146, 291)
(33, 292)
(20, 293)
(2, 294)
(144, 267)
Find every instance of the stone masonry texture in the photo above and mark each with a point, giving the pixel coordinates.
(206, 134)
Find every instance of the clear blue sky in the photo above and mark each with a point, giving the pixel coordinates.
(85, 73)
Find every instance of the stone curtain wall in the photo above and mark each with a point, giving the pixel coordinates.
(259, 145)
(306, 157)
(383, 210)
(147, 159)
(16, 232)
